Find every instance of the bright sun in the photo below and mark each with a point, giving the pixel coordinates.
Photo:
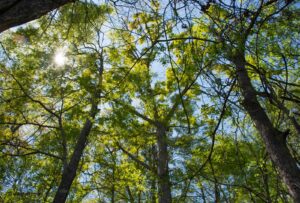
(60, 57)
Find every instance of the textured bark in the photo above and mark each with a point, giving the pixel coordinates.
(274, 139)
(17, 12)
(69, 172)
(164, 186)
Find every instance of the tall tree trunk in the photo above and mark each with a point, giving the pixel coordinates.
(216, 185)
(153, 180)
(153, 191)
(274, 139)
(131, 199)
(113, 186)
(164, 186)
(17, 12)
(203, 195)
(265, 179)
(69, 172)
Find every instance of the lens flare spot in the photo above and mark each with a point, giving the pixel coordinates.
(60, 57)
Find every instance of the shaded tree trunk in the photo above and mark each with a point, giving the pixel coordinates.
(153, 164)
(216, 185)
(164, 186)
(131, 199)
(203, 195)
(153, 191)
(69, 172)
(17, 12)
(274, 139)
(113, 186)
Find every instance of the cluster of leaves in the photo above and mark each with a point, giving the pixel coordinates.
(156, 72)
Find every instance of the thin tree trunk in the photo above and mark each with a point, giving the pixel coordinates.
(153, 191)
(131, 199)
(274, 139)
(203, 195)
(17, 12)
(69, 172)
(113, 186)
(164, 186)
(265, 179)
(139, 197)
(216, 186)
(153, 162)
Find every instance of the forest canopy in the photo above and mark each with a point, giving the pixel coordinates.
(152, 101)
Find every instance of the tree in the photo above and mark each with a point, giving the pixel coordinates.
(17, 12)
(152, 101)
(274, 139)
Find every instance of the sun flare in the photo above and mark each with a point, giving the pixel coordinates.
(60, 57)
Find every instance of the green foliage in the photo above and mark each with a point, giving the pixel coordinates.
(156, 72)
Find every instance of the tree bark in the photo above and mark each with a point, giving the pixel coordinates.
(113, 186)
(274, 139)
(17, 12)
(69, 172)
(153, 180)
(164, 186)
